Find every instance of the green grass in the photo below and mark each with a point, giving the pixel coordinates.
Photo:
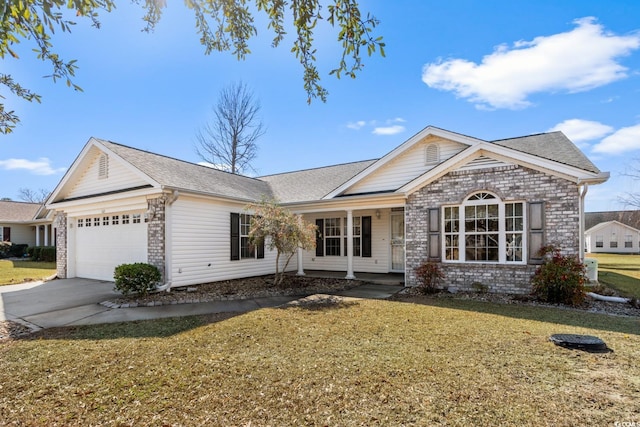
(13, 272)
(368, 363)
(620, 272)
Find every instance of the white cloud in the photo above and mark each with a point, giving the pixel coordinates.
(621, 141)
(388, 130)
(581, 59)
(42, 166)
(578, 130)
(356, 125)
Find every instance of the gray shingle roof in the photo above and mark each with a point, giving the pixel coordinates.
(553, 146)
(312, 184)
(179, 174)
(18, 211)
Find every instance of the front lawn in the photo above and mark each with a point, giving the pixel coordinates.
(368, 362)
(13, 272)
(620, 272)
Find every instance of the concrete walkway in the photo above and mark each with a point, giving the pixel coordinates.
(71, 302)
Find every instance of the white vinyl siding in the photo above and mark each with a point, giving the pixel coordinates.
(118, 177)
(406, 167)
(379, 261)
(201, 244)
(482, 162)
(21, 234)
(612, 237)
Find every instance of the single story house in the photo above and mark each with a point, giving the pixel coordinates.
(628, 217)
(480, 208)
(612, 237)
(26, 224)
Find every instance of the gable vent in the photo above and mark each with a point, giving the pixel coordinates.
(432, 154)
(103, 166)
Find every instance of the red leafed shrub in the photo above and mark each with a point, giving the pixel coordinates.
(429, 276)
(560, 279)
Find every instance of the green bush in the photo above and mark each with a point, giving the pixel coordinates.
(42, 253)
(138, 278)
(429, 276)
(18, 250)
(560, 279)
(5, 247)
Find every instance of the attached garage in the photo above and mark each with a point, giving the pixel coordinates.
(102, 242)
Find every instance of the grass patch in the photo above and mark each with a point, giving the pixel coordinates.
(363, 363)
(620, 272)
(13, 272)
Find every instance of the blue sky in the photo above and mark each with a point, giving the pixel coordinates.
(489, 69)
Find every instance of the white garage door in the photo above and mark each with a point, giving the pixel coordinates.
(106, 241)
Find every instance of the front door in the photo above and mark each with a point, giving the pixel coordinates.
(397, 241)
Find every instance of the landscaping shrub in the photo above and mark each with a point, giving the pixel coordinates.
(429, 276)
(5, 247)
(18, 250)
(42, 253)
(560, 279)
(138, 278)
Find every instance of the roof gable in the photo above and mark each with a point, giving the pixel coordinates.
(604, 225)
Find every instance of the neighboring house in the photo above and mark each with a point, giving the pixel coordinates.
(612, 237)
(630, 218)
(26, 223)
(482, 209)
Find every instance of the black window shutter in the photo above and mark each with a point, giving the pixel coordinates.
(260, 250)
(435, 249)
(6, 234)
(536, 232)
(366, 237)
(319, 238)
(235, 236)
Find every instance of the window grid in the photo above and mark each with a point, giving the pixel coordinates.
(357, 234)
(332, 237)
(247, 250)
(599, 241)
(115, 220)
(96, 222)
(135, 218)
(125, 219)
(451, 230)
(628, 241)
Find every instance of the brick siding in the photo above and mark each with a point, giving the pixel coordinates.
(60, 223)
(510, 183)
(156, 234)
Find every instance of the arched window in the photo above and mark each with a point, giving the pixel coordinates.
(484, 229)
(432, 154)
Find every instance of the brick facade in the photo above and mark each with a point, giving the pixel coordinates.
(60, 224)
(510, 183)
(156, 234)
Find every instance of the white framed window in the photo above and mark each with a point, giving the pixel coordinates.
(357, 236)
(628, 241)
(135, 218)
(332, 236)
(125, 219)
(613, 242)
(484, 229)
(599, 241)
(87, 222)
(96, 222)
(80, 222)
(105, 220)
(247, 250)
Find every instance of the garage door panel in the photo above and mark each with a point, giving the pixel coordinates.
(99, 249)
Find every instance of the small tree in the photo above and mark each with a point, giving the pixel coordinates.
(33, 196)
(280, 230)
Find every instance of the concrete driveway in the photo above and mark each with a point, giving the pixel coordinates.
(54, 303)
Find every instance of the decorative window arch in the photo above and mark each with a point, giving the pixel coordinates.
(484, 229)
(432, 154)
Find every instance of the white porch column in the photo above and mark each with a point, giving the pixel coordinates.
(300, 255)
(350, 274)
(300, 265)
(37, 235)
(46, 235)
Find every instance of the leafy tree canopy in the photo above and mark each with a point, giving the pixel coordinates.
(222, 25)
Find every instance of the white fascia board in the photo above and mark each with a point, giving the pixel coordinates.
(428, 131)
(89, 203)
(607, 223)
(506, 155)
(360, 202)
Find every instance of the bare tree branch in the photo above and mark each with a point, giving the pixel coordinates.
(33, 196)
(228, 141)
(632, 199)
